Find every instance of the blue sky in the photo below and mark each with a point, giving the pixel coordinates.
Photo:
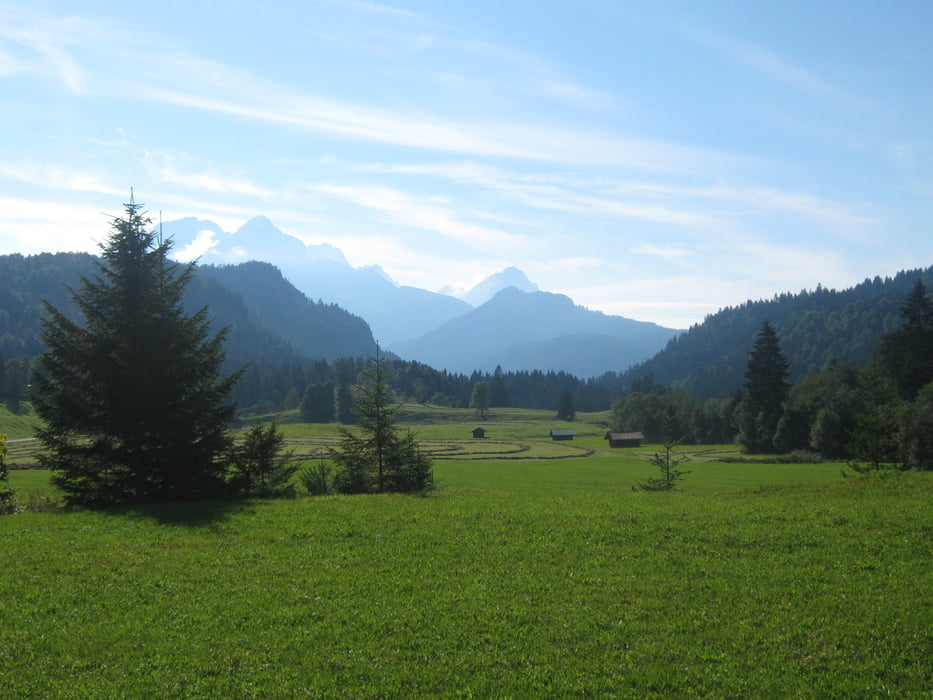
(658, 160)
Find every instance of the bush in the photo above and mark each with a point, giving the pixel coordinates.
(316, 480)
(258, 466)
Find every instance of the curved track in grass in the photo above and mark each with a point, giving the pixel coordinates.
(444, 449)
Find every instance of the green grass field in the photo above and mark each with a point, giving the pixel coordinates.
(531, 572)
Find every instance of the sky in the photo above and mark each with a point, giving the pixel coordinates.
(657, 160)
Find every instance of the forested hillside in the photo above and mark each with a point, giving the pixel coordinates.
(314, 329)
(814, 328)
(24, 282)
(270, 324)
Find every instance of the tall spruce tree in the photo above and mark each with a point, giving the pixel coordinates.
(766, 389)
(134, 404)
(907, 353)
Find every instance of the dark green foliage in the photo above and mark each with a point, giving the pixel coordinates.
(259, 466)
(917, 430)
(480, 398)
(7, 495)
(766, 389)
(134, 404)
(816, 327)
(498, 390)
(15, 383)
(410, 469)
(875, 442)
(316, 480)
(565, 410)
(821, 410)
(25, 282)
(907, 353)
(375, 457)
(709, 423)
(344, 375)
(318, 404)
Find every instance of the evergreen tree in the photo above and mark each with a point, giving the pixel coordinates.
(318, 405)
(292, 399)
(907, 353)
(498, 391)
(7, 495)
(343, 394)
(480, 398)
(666, 462)
(133, 403)
(766, 389)
(15, 383)
(375, 457)
(258, 465)
(917, 430)
(565, 410)
(875, 441)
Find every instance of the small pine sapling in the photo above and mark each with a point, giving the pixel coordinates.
(666, 463)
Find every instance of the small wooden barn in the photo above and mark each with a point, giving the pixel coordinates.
(479, 432)
(625, 439)
(563, 434)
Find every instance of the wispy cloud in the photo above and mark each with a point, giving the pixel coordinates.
(58, 177)
(770, 63)
(124, 64)
(43, 45)
(425, 214)
(649, 200)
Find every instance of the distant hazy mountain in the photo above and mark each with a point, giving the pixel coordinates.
(395, 313)
(536, 330)
(492, 285)
(314, 329)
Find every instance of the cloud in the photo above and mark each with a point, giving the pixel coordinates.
(425, 214)
(57, 177)
(43, 44)
(29, 226)
(124, 63)
(770, 64)
(203, 242)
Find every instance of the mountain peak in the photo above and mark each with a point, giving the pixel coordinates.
(492, 285)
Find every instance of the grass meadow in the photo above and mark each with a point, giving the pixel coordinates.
(533, 570)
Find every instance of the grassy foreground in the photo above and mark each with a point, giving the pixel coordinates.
(540, 577)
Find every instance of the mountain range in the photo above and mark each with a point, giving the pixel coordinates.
(536, 330)
(273, 326)
(503, 321)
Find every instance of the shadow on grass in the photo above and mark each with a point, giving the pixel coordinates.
(188, 513)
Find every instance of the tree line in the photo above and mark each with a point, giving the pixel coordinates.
(817, 327)
(879, 414)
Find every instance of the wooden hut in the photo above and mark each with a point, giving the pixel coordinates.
(625, 439)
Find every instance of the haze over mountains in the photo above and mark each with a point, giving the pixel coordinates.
(505, 320)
